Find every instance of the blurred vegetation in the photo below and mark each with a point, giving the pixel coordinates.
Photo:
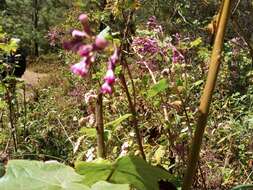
(54, 120)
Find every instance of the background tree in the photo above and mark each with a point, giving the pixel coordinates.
(31, 20)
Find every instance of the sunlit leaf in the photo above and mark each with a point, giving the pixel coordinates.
(89, 132)
(35, 175)
(161, 86)
(103, 185)
(196, 42)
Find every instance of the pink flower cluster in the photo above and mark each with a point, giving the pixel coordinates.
(145, 45)
(109, 78)
(54, 35)
(148, 46)
(177, 56)
(88, 52)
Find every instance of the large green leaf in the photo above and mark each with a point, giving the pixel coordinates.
(94, 171)
(103, 185)
(126, 170)
(35, 175)
(161, 86)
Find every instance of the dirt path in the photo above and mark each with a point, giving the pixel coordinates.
(32, 78)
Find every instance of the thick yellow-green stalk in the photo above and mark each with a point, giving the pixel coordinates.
(207, 95)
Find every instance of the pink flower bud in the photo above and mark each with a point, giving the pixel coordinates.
(106, 88)
(109, 77)
(83, 18)
(80, 68)
(85, 50)
(113, 59)
(78, 33)
(100, 43)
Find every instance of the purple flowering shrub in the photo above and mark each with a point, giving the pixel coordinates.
(88, 46)
(54, 36)
(153, 49)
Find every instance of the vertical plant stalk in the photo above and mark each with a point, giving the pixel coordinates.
(207, 96)
(13, 129)
(101, 153)
(126, 34)
(25, 112)
(100, 127)
(134, 115)
(132, 105)
(1, 119)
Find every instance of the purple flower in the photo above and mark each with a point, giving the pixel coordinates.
(85, 50)
(176, 55)
(106, 88)
(109, 77)
(145, 45)
(113, 59)
(72, 45)
(88, 53)
(77, 41)
(100, 43)
(79, 34)
(152, 24)
(83, 18)
(81, 68)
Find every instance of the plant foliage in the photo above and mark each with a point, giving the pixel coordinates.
(35, 175)
(126, 170)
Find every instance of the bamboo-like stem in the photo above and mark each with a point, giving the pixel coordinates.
(207, 96)
(100, 127)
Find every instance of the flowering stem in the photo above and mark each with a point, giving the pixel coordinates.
(207, 96)
(100, 127)
(99, 110)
